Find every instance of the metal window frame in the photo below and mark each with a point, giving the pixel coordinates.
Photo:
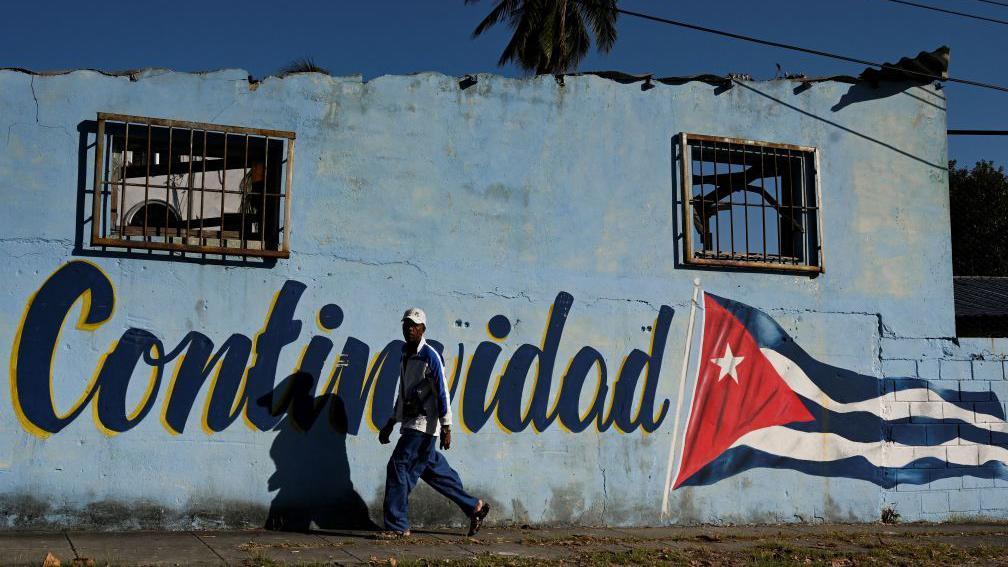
(686, 177)
(283, 246)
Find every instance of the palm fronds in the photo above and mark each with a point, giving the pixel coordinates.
(302, 65)
(551, 36)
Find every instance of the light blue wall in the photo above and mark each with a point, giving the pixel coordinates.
(469, 203)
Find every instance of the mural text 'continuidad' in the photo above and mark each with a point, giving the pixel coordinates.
(240, 374)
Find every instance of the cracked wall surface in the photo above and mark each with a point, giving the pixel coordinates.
(470, 203)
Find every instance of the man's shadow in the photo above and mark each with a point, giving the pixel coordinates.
(312, 477)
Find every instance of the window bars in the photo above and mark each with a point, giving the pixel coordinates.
(750, 204)
(192, 187)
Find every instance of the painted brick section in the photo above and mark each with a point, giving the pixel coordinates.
(943, 390)
(1000, 389)
(987, 348)
(907, 479)
(906, 485)
(998, 433)
(926, 412)
(963, 455)
(969, 435)
(986, 481)
(964, 501)
(977, 385)
(988, 370)
(935, 502)
(906, 389)
(915, 349)
(990, 454)
(912, 395)
(908, 504)
(975, 391)
(994, 498)
(956, 370)
(908, 434)
(899, 368)
(988, 412)
(942, 481)
(895, 411)
(928, 369)
(941, 434)
(929, 457)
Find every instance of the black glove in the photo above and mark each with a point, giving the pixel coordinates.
(386, 432)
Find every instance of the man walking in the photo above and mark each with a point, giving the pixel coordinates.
(422, 403)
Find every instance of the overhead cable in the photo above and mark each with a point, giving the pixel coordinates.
(810, 51)
(954, 132)
(995, 2)
(953, 12)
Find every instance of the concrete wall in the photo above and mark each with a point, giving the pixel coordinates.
(514, 198)
(974, 369)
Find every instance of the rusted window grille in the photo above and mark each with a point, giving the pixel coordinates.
(191, 187)
(750, 204)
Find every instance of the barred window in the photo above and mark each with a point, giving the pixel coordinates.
(191, 187)
(750, 204)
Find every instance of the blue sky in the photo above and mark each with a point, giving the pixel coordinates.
(374, 38)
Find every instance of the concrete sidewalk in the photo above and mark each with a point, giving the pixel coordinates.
(834, 545)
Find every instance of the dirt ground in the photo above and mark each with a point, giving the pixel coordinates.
(822, 544)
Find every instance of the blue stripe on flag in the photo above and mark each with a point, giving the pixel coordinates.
(921, 471)
(866, 427)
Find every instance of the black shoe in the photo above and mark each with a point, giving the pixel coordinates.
(476, 520)
(391, 535)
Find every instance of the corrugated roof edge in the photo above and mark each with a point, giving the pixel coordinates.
(923, 68)
(616, 76)
(980, 296)
(628, 78)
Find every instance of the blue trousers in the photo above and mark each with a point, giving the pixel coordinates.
(415, 457)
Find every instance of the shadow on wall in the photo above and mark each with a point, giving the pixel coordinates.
(855, 94)
(863, 92)
(312, 478)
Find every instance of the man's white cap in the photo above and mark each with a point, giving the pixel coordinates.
(416, 315)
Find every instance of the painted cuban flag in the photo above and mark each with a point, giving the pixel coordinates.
(760, 401)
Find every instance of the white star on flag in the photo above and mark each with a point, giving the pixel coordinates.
(728, 363)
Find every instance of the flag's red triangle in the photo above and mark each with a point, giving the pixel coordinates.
(737, 391)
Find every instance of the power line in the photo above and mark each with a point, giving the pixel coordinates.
(953, 12)
(995, 2)
(809, 51)
(954, 132)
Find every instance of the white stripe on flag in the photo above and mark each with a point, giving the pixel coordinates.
(825, 447)
(802, 385)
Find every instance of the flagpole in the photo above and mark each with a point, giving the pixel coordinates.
(682, 388)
